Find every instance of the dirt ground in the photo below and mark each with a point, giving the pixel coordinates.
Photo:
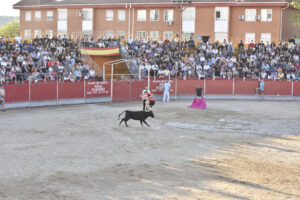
(232, 150)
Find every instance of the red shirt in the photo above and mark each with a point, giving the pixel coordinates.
(150, 97)
(50, 63)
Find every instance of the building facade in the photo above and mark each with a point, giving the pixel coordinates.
(247, 20)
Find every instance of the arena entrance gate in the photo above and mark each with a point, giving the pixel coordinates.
(125, 87)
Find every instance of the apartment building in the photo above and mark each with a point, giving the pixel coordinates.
(246, 20)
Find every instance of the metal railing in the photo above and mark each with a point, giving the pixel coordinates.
(90, 60)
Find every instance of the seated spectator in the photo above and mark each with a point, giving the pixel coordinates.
(166, 72)
(91, 74)
(263, 74)
(160, 72)
(280, 75)
(35, 76)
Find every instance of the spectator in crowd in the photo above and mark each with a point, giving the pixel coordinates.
(91, 74)
(44, 58)
(59, 58)
(215, 59)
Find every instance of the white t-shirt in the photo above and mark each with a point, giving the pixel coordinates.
(18, 39)
(167, 87)
(61, 68)
(206, 67)
(91, 72)
(2, 92)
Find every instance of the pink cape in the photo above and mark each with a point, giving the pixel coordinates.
(198, 103)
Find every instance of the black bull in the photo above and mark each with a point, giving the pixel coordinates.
(136, 115)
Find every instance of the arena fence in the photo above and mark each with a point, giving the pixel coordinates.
(130, 90)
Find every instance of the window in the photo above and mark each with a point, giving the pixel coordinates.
(62, 25)
(109, 34)
(141, 15)
(49, 33)
(37, 16)
(169, 15)
(221, 36)
(168, 35)
(141, 35)
(222, 13)
(27, 34)
(121, 35)
(37, 34)
(27, 16)
(265, 37)
(249, 37)
(188, 36)
(87, 21)
(62, 33)
(188, 20)
(109, 15)
(154, 35)
(154, 15)
(250, 15)
(62, 14)
(266, 15)
(87, 14)
(121, 15)
(49, 15)
(218, 15)
(189, 14)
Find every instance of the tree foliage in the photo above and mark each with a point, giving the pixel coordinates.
(10, 30)
(296, 15)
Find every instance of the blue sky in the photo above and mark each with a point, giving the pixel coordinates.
(6, 8)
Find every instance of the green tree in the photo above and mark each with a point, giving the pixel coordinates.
(10, 30)
(296, 15)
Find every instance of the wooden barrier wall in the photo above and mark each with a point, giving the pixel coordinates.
(131, 90)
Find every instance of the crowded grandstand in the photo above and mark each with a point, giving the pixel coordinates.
(59, 58)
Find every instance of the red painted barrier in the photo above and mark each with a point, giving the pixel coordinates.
(16, 93)
(43, 91)
(69, 90)
(245, 87)
(296, 88)
(188, 87)
(277, 87)
(157, 86)
(136, 89)
(219, 86)
(121, 91)
(131, 90)
(97, 89)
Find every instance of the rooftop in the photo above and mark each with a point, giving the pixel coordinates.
(29, 3)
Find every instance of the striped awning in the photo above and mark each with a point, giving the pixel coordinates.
(113, 51)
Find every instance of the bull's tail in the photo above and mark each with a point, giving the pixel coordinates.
(121, 114)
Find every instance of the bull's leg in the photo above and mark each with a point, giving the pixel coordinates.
(122, 121)
(126, 122)
(141, 122)
(146, 123)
